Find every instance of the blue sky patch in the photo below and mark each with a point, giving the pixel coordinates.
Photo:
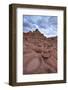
(47, 25)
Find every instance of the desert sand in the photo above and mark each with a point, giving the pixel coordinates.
(39, 53)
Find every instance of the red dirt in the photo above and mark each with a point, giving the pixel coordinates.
(40, 53)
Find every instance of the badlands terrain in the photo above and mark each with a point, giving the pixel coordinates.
(40, 53)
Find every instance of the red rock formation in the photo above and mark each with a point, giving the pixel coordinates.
(40, 53)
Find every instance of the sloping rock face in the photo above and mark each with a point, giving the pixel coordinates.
(39, 53)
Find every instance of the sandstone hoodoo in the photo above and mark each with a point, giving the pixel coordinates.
(40, 53)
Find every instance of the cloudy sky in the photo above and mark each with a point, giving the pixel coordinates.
(47, 25)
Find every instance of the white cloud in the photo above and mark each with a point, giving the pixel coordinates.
(47, 25)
